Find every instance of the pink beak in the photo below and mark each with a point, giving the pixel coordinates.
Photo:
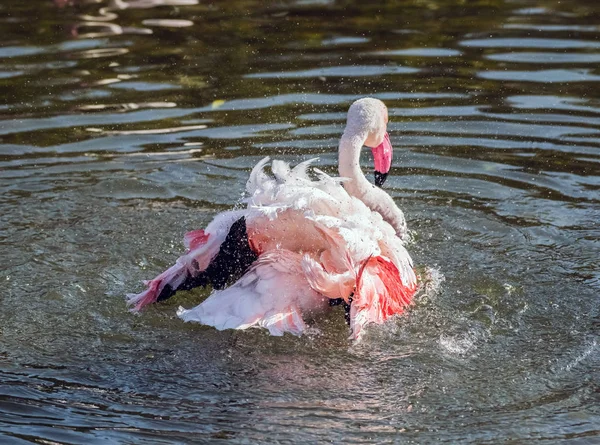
(382, 155)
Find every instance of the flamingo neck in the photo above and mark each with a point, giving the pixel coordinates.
(373, 197)
(349, 163)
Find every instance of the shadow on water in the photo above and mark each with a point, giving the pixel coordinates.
(127, 123)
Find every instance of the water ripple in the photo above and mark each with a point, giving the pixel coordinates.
(338, 71)
(420, 52)
(126, 124)
(545, 57)
(542, 76)
(530, 42)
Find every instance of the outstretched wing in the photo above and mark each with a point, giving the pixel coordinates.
(273, 294)
(214, 255)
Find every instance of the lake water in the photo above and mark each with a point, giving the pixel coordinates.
(125, 124)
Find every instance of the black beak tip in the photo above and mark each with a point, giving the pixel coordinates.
(380, 178)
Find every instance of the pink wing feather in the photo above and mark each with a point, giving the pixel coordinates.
(380, 293)
(194, 239)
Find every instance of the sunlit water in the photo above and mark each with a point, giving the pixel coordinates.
(125, 124)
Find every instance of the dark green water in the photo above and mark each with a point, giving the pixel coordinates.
(125, 124)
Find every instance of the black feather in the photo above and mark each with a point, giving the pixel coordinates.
(233, 260)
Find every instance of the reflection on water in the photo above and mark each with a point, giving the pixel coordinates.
(126, 123)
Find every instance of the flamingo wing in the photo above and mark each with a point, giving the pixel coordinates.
(380, 293)
(214, 256)
(273, 294)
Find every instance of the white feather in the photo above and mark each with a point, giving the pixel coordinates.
(272, 295)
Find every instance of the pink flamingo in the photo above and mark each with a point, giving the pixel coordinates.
(301, 245)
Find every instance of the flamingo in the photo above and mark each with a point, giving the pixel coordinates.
(301, 244)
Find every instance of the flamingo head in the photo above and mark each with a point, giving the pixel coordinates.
(370, 116)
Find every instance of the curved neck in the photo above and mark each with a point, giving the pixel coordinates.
(349, 163)
(373, 197)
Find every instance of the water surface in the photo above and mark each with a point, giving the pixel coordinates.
(125, 124)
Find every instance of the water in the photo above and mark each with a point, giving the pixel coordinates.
(125, 124)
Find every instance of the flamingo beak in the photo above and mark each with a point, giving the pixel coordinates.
(382, 155)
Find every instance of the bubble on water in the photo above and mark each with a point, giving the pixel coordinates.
(572, 363)
(510, 289)
(458, 344)
(431, 281)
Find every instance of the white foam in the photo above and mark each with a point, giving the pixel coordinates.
(585, 354)
(432, 280)
(457, 344)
